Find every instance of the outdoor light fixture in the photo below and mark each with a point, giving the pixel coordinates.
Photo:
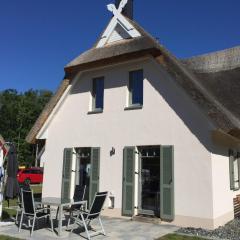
(112, 152)
(112, 201)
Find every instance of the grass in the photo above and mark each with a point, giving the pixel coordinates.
(2, 237)
(11, 213)
(178, 237)
(36, 188)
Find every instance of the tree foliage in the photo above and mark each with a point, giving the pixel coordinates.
(18, 112)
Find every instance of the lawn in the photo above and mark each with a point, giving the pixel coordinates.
(178, 237)
(2, 237)
(10, 212)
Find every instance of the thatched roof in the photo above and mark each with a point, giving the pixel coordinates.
(224, 60)
(219, 73)
(95, 56)
(219, 107)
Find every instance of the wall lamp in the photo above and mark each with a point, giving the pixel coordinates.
(112, 152)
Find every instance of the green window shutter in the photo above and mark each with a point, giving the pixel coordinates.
(94, 175)
(128, 181)
(167, 183)
(231, 169)
(66, 173)
(238, 162)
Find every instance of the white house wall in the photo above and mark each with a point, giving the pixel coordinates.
(222, 195)
(168, 117)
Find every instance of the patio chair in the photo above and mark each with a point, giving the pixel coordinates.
(85, 217)
(79, 194)
(31, 212)
(19, 201)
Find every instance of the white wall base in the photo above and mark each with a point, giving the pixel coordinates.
(207, 223)
(181, 221)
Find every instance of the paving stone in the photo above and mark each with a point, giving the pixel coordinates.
(117, 229)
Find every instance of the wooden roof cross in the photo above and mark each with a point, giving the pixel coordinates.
(118, 18)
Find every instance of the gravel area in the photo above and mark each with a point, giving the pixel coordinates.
(230, 231)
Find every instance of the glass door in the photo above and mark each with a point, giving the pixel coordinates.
(149, 181)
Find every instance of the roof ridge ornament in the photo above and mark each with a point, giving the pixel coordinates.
(112, 8)
(118, 18)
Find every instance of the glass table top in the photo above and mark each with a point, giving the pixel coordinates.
(54, 201)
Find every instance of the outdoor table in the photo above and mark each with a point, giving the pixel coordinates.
(60, 203)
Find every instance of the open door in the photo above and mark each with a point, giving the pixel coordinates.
(128, 181)
(66, 173)
(149, 180)
(167, 183)
(83, 170)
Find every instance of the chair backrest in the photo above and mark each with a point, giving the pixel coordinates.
(28, 201)
(97, 204)
(24, 187)
(79, 194)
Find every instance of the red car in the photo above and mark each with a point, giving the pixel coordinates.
(30, 175)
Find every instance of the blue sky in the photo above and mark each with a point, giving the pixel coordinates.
(39, 37)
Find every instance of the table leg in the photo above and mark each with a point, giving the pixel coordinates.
(60, 220)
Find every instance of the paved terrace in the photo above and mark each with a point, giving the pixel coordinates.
(115, 229)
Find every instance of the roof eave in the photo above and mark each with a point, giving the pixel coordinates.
(72, 70)
(235, 132)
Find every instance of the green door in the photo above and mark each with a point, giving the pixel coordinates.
(128, 181)
(167, 183)
(66, 173)
(94, 173)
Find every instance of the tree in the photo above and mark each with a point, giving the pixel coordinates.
(18, 112)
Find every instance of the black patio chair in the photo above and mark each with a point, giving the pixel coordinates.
(19, 201)
(79, 194)
(31, 212)
(85, 217)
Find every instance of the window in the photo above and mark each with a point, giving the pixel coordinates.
(97, 94)
(136, 88)
(37, 171)
(234, 169)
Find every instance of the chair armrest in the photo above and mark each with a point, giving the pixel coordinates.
(82, 212)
